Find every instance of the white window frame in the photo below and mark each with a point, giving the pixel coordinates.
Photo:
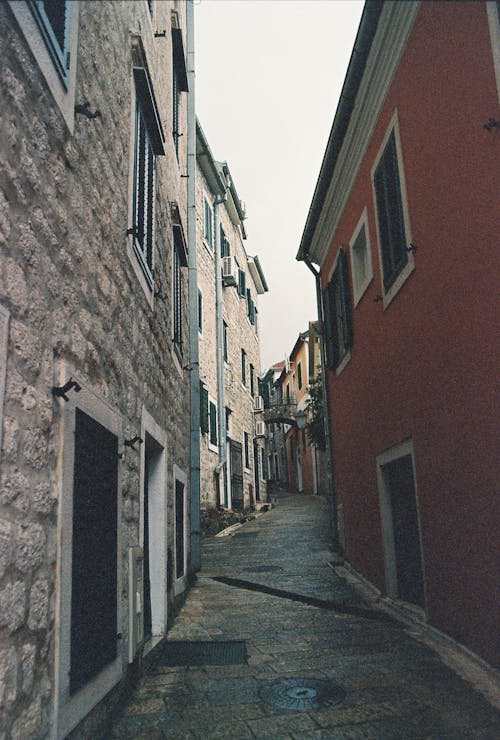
(180, 584)
(70, 710)
(494, 27)
(63, 92)
(389, 295)
(4, 343)
(359, 288)
(157, 505)
(394, 453)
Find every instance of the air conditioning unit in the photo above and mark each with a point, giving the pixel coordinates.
(135, 601)
(260, 429)
(229, 271)
(258, 403)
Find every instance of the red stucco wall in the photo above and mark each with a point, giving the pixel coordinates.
(424, 368)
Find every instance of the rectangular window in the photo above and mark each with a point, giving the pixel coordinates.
(252, 380)
(337, 313)
(299, 375)
(243, 367)
(263, 463)
(256, 322)
(228, 417)
(250, 307)
(247, 450)
(224, 340)
(177, 303)
(53, 19)
(208, 225)
(390, 216)
(213, 423)
(288, 393)
(242, 283)
(200, 311)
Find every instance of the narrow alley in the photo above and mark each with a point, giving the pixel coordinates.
(315, 659)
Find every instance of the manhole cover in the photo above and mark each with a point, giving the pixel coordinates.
(302, 694)
(232, 652)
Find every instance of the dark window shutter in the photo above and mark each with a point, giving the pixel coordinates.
(242, 283)
(346, 300)
(390, 213)
(213, 424)
(203, 409)
(328, 326)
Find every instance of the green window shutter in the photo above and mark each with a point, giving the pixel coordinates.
(203, 409)
(242, 283)
(213, 424)
(328, 326)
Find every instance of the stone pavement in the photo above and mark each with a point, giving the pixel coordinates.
(394, 686)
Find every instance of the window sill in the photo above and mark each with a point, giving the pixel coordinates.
(399, 282)
(212, 447)
(358, 294)
(145, 282)
(207, 246)
(343, 363)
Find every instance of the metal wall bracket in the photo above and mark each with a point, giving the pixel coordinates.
(60, 391)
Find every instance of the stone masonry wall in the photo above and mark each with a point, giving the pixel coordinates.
(73, 296)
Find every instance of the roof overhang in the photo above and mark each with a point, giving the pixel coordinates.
(381, 38)
(207, 163)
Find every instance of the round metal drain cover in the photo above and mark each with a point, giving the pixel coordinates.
(300, 694)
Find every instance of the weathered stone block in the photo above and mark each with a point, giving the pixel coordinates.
(28, 722)
(13, 606)
(28, 656)
(30, 548)
(8, 677)
(39, 606)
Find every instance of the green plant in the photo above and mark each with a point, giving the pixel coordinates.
(316, 426)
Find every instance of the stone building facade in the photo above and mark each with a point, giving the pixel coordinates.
(93, 348)
(232, 448)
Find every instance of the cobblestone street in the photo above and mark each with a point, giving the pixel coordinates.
(393, 686)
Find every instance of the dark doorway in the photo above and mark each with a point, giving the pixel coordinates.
(94, 551)
(179, 529)
(236, 475)
(400, 485)
(148, 622)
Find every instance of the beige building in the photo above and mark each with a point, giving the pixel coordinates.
(94, 343)
(232, 449)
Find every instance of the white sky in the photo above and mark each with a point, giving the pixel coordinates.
(268, 78)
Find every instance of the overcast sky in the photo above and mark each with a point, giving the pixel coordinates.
(268, 78)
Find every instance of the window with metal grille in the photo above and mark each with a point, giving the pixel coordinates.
(144, 194)
(337, 313)
(390, 215)
(53, 19)
(213, 423)
(208, 224)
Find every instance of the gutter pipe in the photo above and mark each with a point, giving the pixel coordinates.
(194, 488)
(332, 497)
(219, 353)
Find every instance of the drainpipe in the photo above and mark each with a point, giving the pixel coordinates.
(332, 498)
(219, 353)
(194, 487)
